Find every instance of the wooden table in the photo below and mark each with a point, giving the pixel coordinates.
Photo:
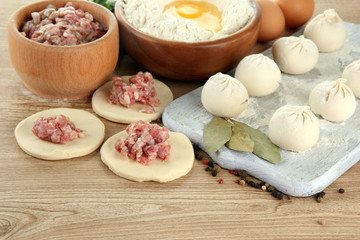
(82, 199)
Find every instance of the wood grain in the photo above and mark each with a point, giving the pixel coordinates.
(82, 199)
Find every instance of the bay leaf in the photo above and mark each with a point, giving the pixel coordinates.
(216, 134)
(263, 146)
(240, 140)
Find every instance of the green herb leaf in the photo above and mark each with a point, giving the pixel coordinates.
(263, 147)
(106, 3)
(240, 140)
(216, 134)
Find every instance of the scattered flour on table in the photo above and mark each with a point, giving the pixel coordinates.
(148, 17)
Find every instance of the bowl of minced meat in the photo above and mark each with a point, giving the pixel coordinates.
(188, 40)
(63, 49)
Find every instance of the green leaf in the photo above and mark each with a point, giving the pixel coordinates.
(216, 134)
(263, 147)
(240, 140)
(106, 3)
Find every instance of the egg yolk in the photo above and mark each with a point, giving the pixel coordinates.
(207, 15)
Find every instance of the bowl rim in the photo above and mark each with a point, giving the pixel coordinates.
(119, 13)
(111, 28)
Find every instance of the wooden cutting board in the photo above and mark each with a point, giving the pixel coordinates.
(298, 174)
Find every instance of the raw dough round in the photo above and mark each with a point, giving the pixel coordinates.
(94, 131)
(121, 114)
(352, 75)
(224, 96)
(294, 128)
(259, 74)
(327, 30)
(333, 100)
(295, 55)
(180, 162)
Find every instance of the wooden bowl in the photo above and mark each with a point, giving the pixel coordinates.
(63, 72)
(183, 60)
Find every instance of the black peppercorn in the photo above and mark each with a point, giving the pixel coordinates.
(210, 164)
(213, 173)
(341, 190)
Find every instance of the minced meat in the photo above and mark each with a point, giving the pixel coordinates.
(145, 142)
(57, 129)
(141, 89)
(65, 26)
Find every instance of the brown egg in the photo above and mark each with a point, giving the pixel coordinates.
(272, 21)
(296, 12)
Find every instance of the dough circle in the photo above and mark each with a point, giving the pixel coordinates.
(179, 164)
(93, 128)
(121, 114)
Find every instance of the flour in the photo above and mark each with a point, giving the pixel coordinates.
(148, 17)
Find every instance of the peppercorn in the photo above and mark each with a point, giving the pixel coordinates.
(213, 173)
(322, 222)
(257, 185)
(207, 169)
(252, 184)
(270, 188)
(263, 187)
(242, 182)
(319, 199)
(341, 190)
(277, 194)
(289, 197)
(198, 156)
(243, 174)
(195, 147)
(221, 181)
(210, 164)
(237, 181)
(205, 162)
(320, 194)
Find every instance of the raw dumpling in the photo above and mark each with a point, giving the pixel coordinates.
(352, 75)
(294, 128)
(295, 55)
(327, 30)
(224, 96)
(259, 74)
(333, 100)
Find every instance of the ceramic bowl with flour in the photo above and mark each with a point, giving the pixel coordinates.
(175, 48)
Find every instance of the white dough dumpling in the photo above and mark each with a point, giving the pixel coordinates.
(295, 55)
(352, 75)
(259, 74)
(294, 128)
(224, 96)
(327, 30)
(333, 100)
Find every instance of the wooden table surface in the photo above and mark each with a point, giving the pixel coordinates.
(81, 199)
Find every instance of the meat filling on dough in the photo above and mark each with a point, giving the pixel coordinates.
(145, 143)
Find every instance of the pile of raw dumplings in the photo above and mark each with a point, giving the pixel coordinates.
(294, 128)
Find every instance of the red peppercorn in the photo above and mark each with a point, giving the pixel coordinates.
(237, 181)
(205, 162)
(221, 181)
